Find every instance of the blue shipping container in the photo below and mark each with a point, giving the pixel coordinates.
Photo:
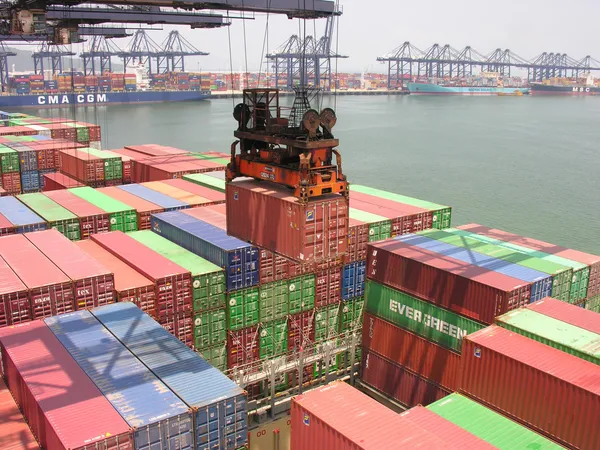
(353, 280)
(30, 181)
(28, 159)
(40, 137)
(238, 258)
(20, 215)
(160, 418)
(541, 283)
(158, 198)
(221, 418)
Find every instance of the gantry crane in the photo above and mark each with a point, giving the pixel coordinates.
(100, 49)
(171, 57)
(54, 53)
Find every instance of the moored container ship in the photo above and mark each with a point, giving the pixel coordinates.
(564, 86)
(484, 84)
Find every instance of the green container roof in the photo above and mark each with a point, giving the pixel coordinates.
(554, 333)
(102, 201)
(99, 153)
(179, 255)
(497, 251)
(397, 197)
(206, 181)
(7, 150)
(46, 208)
(365, 216)
(488, 425)
(213, 158)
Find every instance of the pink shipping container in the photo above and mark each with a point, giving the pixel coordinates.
(52, 390)
(130, 285)
(565, 312)
(56, 181)
(551, 392)
(93, 284)
(425, 358)
(93, 220)
(469, 290)
(268, 216)
(172, 282)
(338, 416)
(81, 165)
(213, 196)
(14, 432)
(144, 209)
(397, 382)
(50, 290)
(6, 227)
(14, 297)
(584, 258)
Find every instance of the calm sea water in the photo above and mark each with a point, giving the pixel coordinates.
(529, 165)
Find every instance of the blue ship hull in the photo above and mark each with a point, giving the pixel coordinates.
(99, 98)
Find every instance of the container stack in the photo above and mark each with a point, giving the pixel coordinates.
(130, 82)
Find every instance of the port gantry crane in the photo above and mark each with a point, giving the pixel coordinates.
(101, 49)
(54, 53)
(171, 57)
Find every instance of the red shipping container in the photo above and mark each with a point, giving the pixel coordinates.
(397, 382)
(338, 416)
(301, 330)
(81, 165)
(274, 267)
(50, 149)
(130, 285)
(52, 390)
(548, 390)
(93, 284)
(50, 290)
(328, 287)
(11, 182)
(143, 208)
(584, 258)
(173, 283)
(156, 150)
(242, 347)
(565, 312)
(6, 226)
(215, 197)
(17, 131)
(93, 220)
(14, 297)
(14, 432)
(469, 290)
(61, 131)
(160, 168)
(55, 181)
(423, 357)
(358, 239)
(268, 216)
(181, 326)
(2, 191)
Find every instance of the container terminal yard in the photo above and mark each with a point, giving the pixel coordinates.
(258, 298)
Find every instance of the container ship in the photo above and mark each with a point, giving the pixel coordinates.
(485, 84)
(565, 86)
(76, 89)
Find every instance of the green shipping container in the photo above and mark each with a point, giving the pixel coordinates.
(351, 315)
(593, 304)
(273, 338)
(488, 425)
(561, 275)
(301, 294)
(327, 322)
(210, 328)
(113, 165)
(563, 336)
(214, 158)
(83, 132)
(581, 272)
(216, 355)
(208, 279)
(425, 319)
(442, 217)
(380, 228)
(242, 309)
(9, 160)
(207, 181)
(57, 217)
(122, 217)
(274, 301)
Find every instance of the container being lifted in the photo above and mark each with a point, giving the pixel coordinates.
(295, 152)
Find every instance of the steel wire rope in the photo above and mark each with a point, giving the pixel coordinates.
(265, 40)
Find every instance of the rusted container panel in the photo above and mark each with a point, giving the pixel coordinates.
(397, 382)
(242, 347)
(93, 220)
(50, 290)
(313, 232)
(93, 284)
(14, 432)
(423, 357)
(143, 208)
(172, 282)
(130, 285)
(458, 286)
(579, 317)
(535, 384)
(14, 297)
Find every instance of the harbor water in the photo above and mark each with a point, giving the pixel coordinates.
(525, 164)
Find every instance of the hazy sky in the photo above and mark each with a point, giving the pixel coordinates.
(368, 29)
